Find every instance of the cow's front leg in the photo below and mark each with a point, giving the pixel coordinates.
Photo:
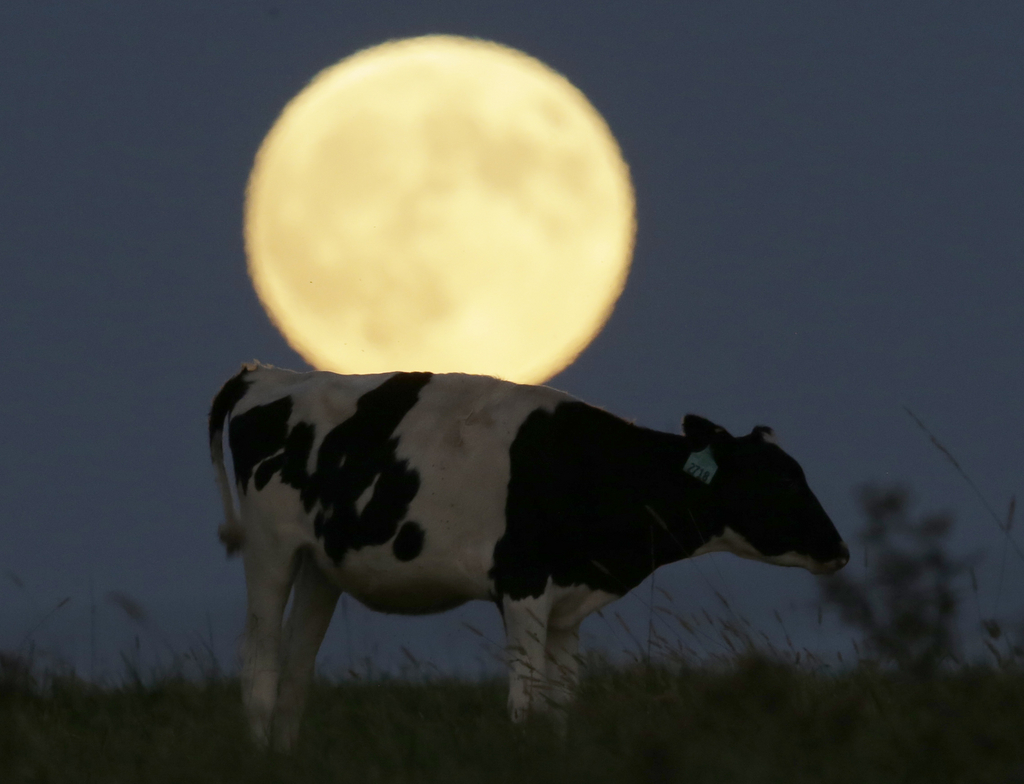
(563, 663)
(526, 622)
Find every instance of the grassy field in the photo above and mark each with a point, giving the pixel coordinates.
(759, 714)
(752, 721)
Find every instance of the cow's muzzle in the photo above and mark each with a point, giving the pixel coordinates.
(833, 566)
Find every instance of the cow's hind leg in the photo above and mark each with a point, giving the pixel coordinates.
(268, 578)
(526, 622)
(313, 605)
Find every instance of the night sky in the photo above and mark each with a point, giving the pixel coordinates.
(830, 219)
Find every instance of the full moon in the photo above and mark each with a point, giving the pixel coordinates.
(442, 204)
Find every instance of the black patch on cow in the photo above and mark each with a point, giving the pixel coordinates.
(580, 482)
(409, 542)
(228, 396)
(354, 455)
(360, 452)
(256, 435)
(292, 461)
(597, 501)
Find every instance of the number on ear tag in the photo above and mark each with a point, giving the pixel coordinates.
(701, 465)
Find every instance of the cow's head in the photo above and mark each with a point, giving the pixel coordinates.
(762, 499)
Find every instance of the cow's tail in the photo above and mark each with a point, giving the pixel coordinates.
(231, 532)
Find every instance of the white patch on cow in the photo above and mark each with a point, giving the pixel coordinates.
(426, 584)
(737, 544)
(701, 465)
(571, 604)
(810, 564)
(526, 631)
(730, 542)
(366, 495)
(542, 645)
(457, 437)
(796, 559)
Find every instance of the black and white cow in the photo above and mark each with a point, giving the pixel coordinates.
(417, 492)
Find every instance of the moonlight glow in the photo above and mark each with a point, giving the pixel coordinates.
(442, 204)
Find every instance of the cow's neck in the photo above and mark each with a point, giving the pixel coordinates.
(679, 509)
(664, 515)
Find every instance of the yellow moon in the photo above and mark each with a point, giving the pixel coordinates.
(439, 203)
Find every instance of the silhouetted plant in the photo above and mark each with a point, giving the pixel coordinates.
(16, 675)
(906, 608)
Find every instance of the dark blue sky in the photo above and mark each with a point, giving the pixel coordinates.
(830, 226)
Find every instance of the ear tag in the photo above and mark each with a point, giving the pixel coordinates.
(701, 465)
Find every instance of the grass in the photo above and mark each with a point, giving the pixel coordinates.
(756, 720)
(715, 704)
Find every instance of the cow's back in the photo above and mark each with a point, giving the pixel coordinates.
(318, 396)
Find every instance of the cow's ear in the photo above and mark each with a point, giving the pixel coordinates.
(766, 434)
(703, 431)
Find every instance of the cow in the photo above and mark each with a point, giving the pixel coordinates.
(416, 492)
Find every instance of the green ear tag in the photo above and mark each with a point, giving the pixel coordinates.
(701, 465)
